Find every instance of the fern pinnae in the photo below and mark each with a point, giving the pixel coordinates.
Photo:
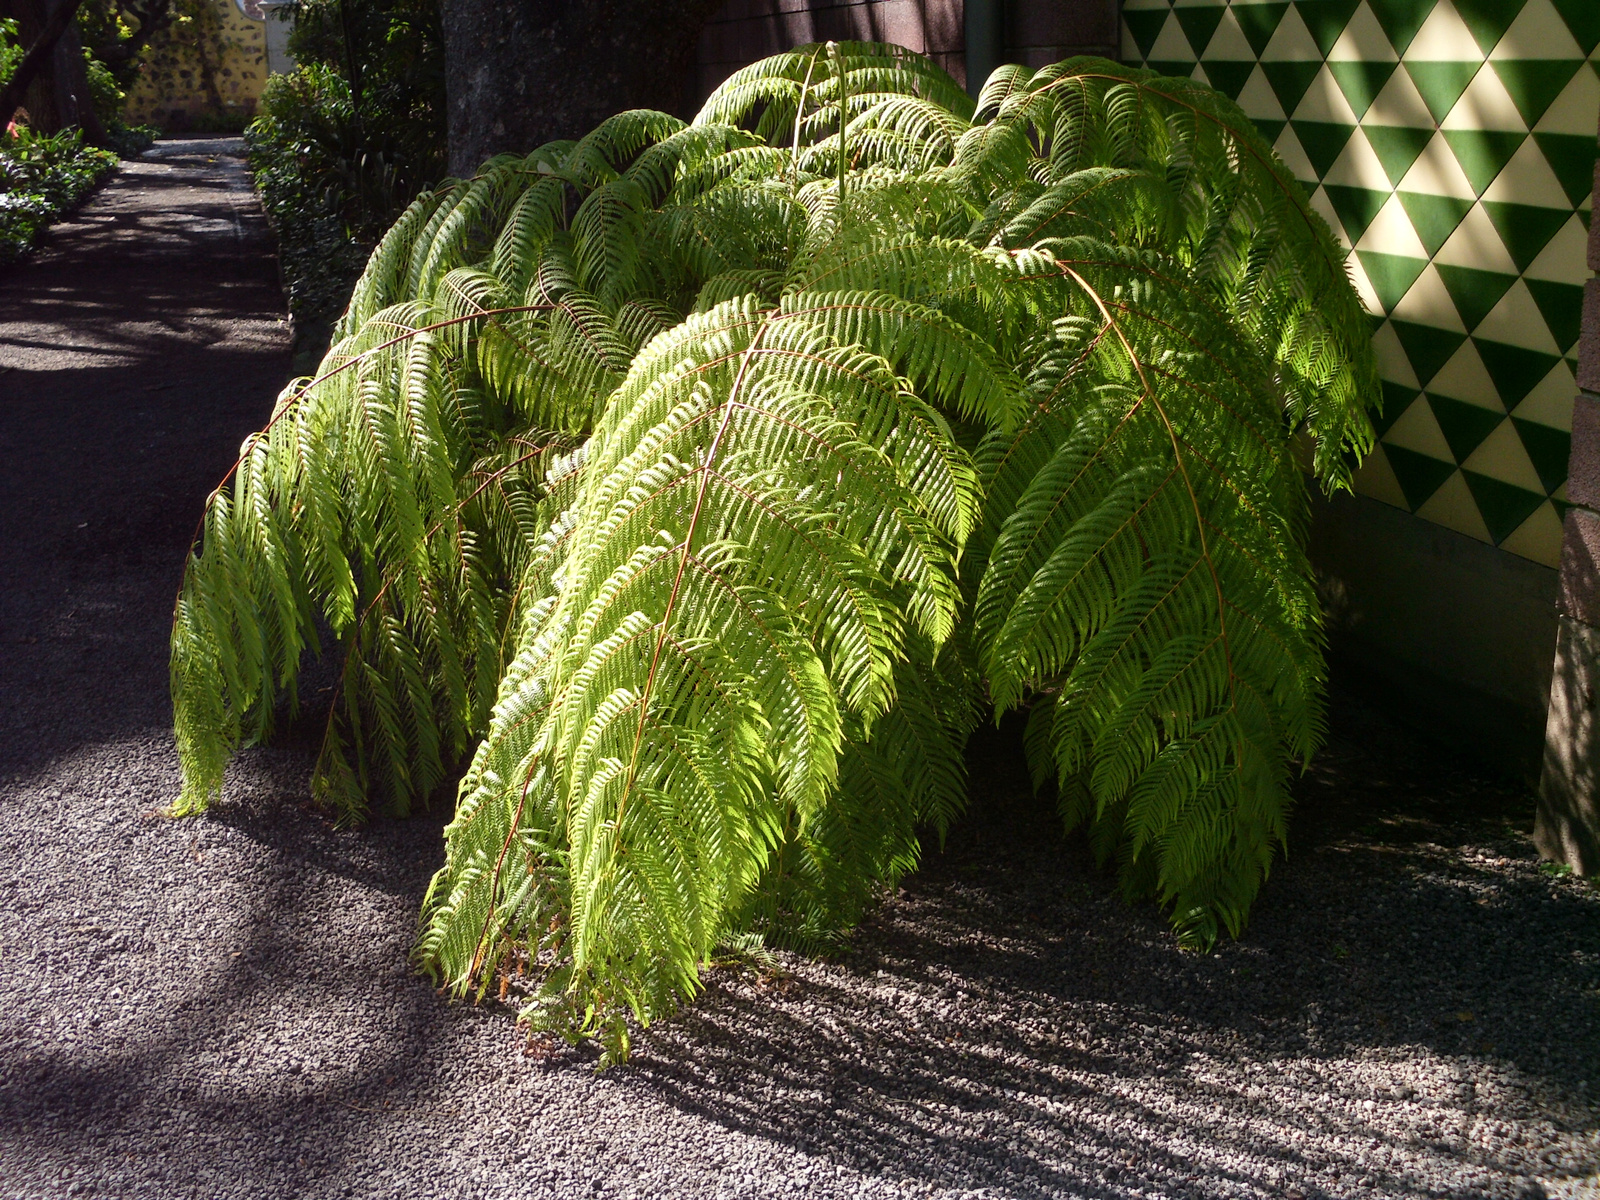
(661, 508)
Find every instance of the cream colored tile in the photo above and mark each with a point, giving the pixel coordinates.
(1428, 303)
(1258, 100)
(1437, 173)
(1418, 430)
(1376, 478)
(1171, 45)
(1291, 41)
(1517, 321)
(1358, 165)
(1453, 507)
(1229, 43)
(1476, 243)
(1399, 103)
(1363, 39)
(1393, 364)
(1537, 32)
(1501, 456)
(1464, 377)
(1391, 232)
(1485, 105)
(1444, 37)
(1538, 538)
(1564, 259)
(1324, 101)
(1550, 402)
(1528, 179)
(1294, 155)
(1574, 110)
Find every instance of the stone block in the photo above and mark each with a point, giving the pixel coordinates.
(1579, 594)
(1594, 228)
(1583, 462)
(1567, 825)
(1589, 339)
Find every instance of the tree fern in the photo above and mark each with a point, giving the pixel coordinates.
(696, 488)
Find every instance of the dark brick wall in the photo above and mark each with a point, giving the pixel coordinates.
(1036, 31)
(1566, 826)
(1580, 552)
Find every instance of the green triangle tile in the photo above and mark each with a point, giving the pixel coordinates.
(1145, 25)
(1259, 22)
(1396, 399)
(1571, 157)
(1356, 207)
(1397, 147)
(1482, 152)
(1548, 450)
(1475, 292)
(1427, 347)
(1464, 425)
(1434, 217)
(1270, 129)
(1326, 19)
(1516, 370)
(1391, 274)
(1503, 506)
(1401, 19)
(1534, 83)
(1562, 306)
(1362, 81)
(1199, 22)
(1171, 66)
(1419, 475)
(1441, 83)
(1488, 20)
(1583, 18)
(1229, 77)
(1322, 141)
(1525, 228)
(1290, 80)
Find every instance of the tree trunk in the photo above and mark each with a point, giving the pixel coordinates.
(57, 96)
(519, 73)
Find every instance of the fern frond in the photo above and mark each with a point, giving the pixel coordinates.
(696, 488)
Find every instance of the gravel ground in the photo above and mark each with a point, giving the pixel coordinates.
(223, 1006)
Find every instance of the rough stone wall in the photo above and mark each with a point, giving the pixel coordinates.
(1036, 31)
(209, 66)
(1568, 824)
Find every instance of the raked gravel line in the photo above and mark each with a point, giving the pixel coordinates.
(223, 1007)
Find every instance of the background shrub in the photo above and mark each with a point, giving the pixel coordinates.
(343, 144)
(40, 179)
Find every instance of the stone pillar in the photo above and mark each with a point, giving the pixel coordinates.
(1567, 828)
(279, 16)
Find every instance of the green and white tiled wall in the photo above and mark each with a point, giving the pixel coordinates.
(1451, 144)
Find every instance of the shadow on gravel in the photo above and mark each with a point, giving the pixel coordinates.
(137, 349)
(1389, 953)
(273, 1030)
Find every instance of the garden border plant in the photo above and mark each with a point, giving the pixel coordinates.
(699, 487)
(42, 178)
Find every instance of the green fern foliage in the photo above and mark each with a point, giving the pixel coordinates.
(690, 491)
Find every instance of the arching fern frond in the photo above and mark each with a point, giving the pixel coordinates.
(695, 489)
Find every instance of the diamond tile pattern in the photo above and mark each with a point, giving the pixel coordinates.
(1451, 146)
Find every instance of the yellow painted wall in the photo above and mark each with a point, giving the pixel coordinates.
(211, 64)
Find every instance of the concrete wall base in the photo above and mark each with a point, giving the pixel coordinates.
(1448, 635)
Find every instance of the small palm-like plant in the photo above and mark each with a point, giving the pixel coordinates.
(699, 487)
